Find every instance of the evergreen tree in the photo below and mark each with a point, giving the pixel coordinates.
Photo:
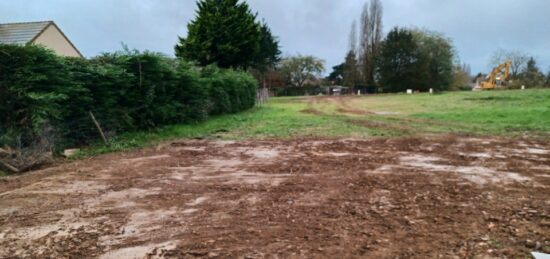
(436, 53)
(399, 61)
(224, 32)
(337, 74)
(370, 39)
(531, 76)
(351, 74)
(268, 52)
(351, 70)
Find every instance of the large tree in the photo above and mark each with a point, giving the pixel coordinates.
(224, 32)
(268, 55)
(298, 69)
(370, 39)
(399, 61)
(461, 77)
(351, 72)
(531, 75)
(351, 69)
(416, 59)
(437, 55)
(337, 74)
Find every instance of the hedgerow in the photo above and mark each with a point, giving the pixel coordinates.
(46, 96)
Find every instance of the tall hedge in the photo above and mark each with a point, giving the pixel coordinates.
(126, 91)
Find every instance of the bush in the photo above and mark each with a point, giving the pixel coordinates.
(34, 91)
(229, 90)
(126, 91)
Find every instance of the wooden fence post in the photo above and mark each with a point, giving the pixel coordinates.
(99, 129)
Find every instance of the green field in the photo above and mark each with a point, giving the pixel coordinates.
(512, 112)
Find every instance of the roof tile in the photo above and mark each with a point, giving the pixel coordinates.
(21, 33)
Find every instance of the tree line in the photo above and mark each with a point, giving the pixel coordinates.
(413, 58)
(406, 58)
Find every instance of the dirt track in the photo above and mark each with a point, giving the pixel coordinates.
(422, 197)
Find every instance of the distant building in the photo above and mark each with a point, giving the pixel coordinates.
(44, 33)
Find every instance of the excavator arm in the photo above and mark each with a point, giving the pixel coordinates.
(501, 74)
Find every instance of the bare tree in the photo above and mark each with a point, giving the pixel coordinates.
(519, 60)
(364, 43)
(467, 69)
(370, 39)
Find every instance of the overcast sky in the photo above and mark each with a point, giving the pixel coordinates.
(316, 27)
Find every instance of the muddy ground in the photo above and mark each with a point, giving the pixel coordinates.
(416, 197)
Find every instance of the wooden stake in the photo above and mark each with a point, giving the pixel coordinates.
(99, 128)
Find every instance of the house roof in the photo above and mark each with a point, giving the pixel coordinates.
(21, 33)
(27, 32)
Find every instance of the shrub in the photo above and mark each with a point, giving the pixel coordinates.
(34, 91)
(229, 90)
(126, 91)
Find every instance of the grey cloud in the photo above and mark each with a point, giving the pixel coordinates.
(317, 27)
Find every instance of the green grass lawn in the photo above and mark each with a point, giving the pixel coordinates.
(511, 112)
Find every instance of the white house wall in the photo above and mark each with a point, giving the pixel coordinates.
(53, 39)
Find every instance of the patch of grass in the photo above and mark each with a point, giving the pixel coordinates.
(484, 113)
(498, 112)
(2, 173)
(495, 244)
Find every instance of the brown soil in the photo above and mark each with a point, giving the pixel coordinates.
(353, 111)
(344, 107)
(418, 197)
(401, 128)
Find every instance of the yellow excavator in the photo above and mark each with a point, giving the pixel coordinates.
(498, 77)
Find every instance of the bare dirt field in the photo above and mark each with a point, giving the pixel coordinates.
(411, 197)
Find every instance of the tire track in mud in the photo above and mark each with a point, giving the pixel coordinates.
(398, 124)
